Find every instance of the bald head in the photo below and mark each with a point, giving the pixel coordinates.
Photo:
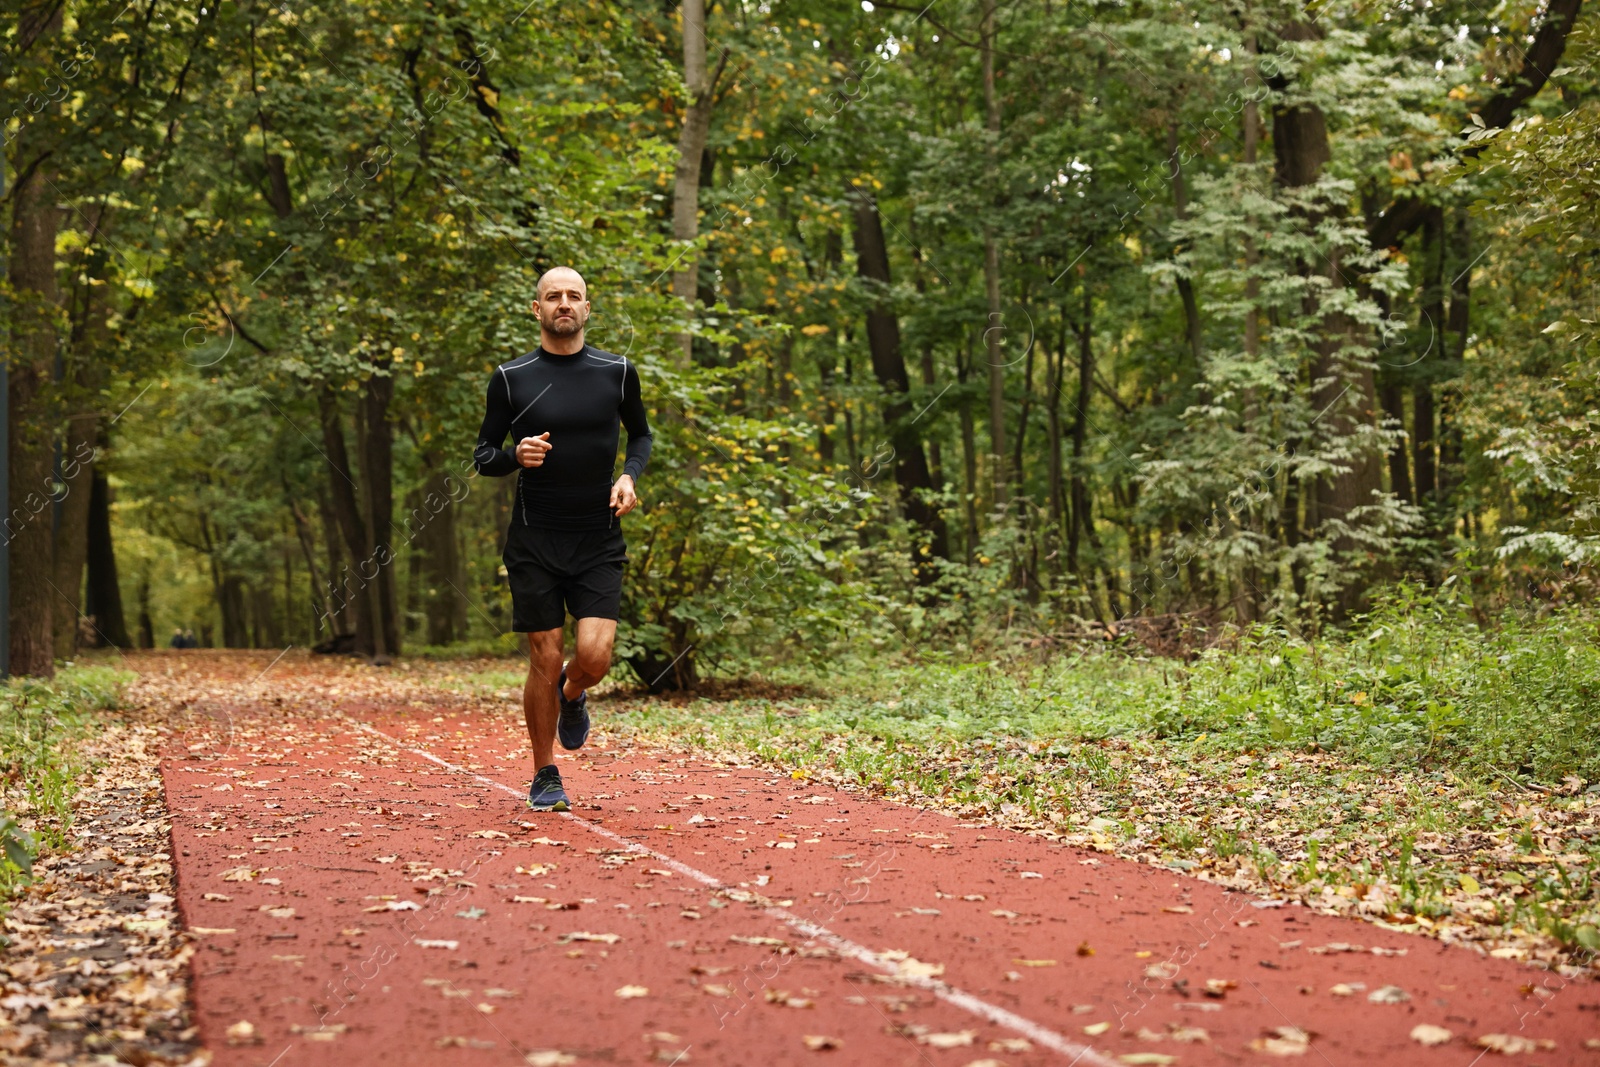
(562, 308)
(565, 277)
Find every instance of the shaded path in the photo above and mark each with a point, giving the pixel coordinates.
(366, 884)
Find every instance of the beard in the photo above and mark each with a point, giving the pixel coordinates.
(565, 327)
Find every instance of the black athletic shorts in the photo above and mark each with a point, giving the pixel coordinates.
(557, 572)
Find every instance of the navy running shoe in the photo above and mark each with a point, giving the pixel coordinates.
(546, 794)
(572, 726)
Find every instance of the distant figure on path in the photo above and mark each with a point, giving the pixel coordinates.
(562, 404)
(177, 638)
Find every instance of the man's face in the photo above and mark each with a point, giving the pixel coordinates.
(563, 305)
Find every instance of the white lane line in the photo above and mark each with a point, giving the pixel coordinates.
(1035, 1032)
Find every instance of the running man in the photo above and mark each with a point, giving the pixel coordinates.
(564, 551)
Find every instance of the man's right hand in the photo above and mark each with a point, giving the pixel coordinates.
(531, 450)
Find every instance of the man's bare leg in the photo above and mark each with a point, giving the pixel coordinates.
(539, 708)
(592, 658)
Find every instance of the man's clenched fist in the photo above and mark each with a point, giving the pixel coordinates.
(531, 450)
(623, 498)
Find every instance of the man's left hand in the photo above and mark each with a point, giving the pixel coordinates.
(623, 498)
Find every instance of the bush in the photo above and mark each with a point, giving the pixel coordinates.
(1418, 680)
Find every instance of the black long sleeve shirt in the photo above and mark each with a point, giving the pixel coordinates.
(580, 399)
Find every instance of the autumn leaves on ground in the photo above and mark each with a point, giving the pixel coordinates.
(357, 880)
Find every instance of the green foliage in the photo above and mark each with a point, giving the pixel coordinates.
(1420, 681)
(38, 722)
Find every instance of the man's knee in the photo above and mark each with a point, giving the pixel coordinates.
(544, 653)
(594, 659)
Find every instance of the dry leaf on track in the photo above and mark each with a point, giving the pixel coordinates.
(1428, 1034)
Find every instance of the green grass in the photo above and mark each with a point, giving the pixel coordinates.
(39, 767)
(1420, 683)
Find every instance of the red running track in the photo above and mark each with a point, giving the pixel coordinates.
(368, 887)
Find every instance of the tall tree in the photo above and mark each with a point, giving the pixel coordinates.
(35, 219)
(889, 367)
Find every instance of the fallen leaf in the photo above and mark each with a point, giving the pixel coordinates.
(424, 942)
(741, 940)
(471, 913)
(1031, 874)
(584, 935)
(1084, 949)
(1035, 963)
(911, 967)
(1513, 1044)
(548, 1058)
(238, 874)
(1016, 1045)
(958, 1039)
(1428, 1034)
(217, 896)
(1283, 1041)
(1389, 994)
(1218, 987)
(632, 992)
(1180, 909)
(489, 833)
(1096, 1029)
(1342, 990)
(243, 1033)
(819, 1042)
(1146, 1059)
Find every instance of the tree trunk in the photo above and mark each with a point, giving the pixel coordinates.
(1344, 396)
(34, 221)
(230, 601)
(1056, 368)
(1457, 324)
(103, 601)
(1394, 407)
(319, 589)
(1252, 257)
(889, 367)
(969, 458)
(692, 138)
(1426, 365)
(1082, 521)
(147, 628)
(354, 584)
(994, 335)
(1180, 210)
(76, 471)
(441, 573)
(377, 476)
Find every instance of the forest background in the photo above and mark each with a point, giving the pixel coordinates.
(963, 327)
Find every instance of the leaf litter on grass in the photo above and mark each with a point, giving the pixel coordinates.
(95, 964)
